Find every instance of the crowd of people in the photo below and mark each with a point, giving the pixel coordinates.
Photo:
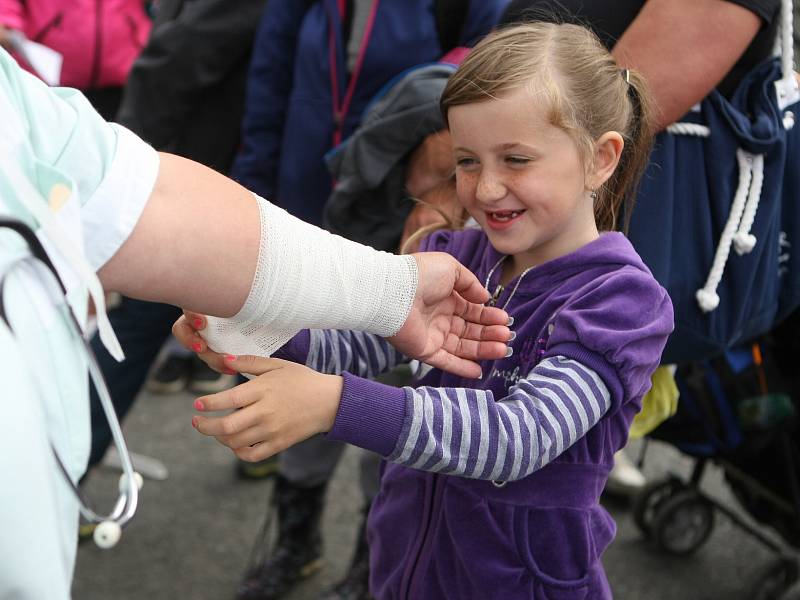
(490, 419)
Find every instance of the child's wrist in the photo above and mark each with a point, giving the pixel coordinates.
(332, 387)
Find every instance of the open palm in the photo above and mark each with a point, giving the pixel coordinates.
(449, 327)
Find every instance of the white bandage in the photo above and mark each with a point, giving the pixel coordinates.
(309, 278)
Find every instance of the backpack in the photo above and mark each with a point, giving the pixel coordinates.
(717, 216)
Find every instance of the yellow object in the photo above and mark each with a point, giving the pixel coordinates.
(659, 404)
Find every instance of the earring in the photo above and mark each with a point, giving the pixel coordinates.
(593, 195)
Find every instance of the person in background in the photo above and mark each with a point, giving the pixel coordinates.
(98, 41)
(316, 66)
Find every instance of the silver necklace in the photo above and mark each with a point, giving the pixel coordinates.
(499, 289)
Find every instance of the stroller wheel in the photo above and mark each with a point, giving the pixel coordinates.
(651, 496)
(774, 580)
(682, 523)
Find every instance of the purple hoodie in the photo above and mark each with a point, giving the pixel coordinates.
(514, 526)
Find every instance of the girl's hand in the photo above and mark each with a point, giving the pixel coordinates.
(286, 404)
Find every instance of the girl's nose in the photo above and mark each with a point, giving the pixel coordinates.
(490, 188)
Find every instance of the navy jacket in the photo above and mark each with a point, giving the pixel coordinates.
(299, 54)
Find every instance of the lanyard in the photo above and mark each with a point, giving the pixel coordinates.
(341, 106)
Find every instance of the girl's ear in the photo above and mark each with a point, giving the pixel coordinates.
(607, 152)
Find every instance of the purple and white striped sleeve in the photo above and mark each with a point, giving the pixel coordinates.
(462, 431)
(362, 354)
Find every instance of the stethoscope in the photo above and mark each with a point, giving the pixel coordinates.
(109, 527)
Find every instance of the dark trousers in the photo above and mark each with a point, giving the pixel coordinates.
(142, 328)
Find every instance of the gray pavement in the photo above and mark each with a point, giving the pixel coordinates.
(192, 535)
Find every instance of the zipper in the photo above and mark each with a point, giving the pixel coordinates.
(54, 22)
(429, 508)
(495, 296)
(98, 43)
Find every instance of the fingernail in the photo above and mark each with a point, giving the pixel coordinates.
(509, 351)
(481, 375)
(197, 346)
(198, 405)
(229, 371)
(510, 321)
(230, 357)
(513, 336)
(195, 421)
(197, 323)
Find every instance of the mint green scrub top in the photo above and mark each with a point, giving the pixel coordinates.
(81, 184)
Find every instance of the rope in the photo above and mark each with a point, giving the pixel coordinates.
(744, 241)
(707, 297)
(689, 129)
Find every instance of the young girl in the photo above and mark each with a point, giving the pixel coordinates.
(490, 487)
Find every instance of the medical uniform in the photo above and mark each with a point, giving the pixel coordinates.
(81, 184)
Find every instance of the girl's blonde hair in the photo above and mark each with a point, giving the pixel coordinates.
(586, 93)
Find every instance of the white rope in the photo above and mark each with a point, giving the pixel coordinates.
(689, 129)
(706, 296)
(744, 241)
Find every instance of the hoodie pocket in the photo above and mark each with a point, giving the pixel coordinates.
(560, 548)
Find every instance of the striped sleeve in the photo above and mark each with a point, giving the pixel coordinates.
(356, 352)
(461, 431)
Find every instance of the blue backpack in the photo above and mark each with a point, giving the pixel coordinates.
(717, 217)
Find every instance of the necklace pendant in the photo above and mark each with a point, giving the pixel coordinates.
(495, 296)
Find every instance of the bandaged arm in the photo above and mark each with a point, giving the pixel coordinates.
(206, 243)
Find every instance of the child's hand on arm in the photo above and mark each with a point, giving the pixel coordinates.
(286, 404)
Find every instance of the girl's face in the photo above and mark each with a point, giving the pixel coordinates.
(522, 179)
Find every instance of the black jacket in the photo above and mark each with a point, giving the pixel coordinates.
(185, 93)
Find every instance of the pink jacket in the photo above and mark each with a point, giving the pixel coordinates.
(99, 39)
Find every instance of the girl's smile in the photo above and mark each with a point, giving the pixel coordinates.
(500, 220)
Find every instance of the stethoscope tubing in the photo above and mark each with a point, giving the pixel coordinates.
(128, 499)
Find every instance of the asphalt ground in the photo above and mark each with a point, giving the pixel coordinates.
(193, 532)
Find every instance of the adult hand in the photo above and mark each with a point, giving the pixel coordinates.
(286, 404)
(448, 327)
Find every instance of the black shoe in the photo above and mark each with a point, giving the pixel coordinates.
(297, 553)
(257, 470)
(171, 376)
(355, 585)
(205, 380)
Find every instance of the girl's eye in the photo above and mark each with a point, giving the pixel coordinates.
(466, 162)
(518, 160)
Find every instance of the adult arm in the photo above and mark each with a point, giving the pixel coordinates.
(685, 48)
(183, 58)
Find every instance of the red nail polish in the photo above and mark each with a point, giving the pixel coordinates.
(228, 371)
(230, 357)
(198, 405)
(197, 323)
(195, 420)
(197, 346)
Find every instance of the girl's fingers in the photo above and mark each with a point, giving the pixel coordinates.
(196, 320)
(233, 398)
(256, 453)
(252, 365)
(187, 335)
